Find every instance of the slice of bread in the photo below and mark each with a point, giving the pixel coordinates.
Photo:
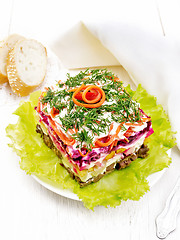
(26, 66)
(5, 46)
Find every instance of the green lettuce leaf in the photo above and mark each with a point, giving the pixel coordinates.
(129, 183)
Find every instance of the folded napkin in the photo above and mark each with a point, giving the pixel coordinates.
(152, 60)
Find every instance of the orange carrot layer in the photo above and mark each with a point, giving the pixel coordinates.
(54, 112)
(133, 124)
(63, 137)
(99, 143)
(83, 155)
(111, 140)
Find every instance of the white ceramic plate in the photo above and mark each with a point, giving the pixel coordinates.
(153, 179)
(54, 187)
(56, 71)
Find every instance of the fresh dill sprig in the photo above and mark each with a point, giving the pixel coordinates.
(91, 122)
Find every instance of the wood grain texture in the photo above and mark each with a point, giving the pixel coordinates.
(5, 17)
(28, 210)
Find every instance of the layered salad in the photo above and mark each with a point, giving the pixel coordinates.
(92, 124)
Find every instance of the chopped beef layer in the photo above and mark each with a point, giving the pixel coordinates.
(123, 163)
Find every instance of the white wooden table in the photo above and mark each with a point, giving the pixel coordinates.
(28, 210)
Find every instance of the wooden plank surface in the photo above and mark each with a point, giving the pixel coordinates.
(28, 210)
(5, 17)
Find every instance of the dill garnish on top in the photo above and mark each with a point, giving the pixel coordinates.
(118, 105)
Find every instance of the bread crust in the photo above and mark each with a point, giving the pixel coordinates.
(3, 78)
(5, 44)
(17, 85)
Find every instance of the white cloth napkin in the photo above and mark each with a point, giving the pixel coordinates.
(151, 60)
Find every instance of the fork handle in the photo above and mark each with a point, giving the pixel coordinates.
(166, 221)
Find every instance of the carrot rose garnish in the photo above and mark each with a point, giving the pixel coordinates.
(93, 96)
